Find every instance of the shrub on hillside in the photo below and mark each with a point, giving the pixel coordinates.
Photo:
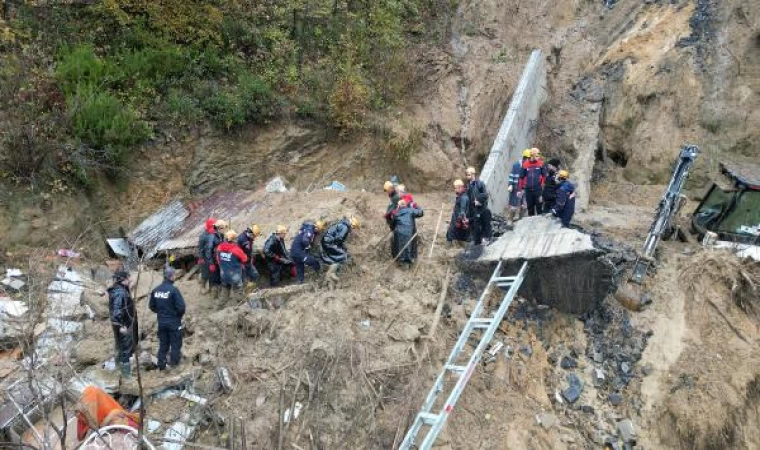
(349, 102)
(102, 121)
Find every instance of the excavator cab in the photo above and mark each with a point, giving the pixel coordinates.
(731, 207)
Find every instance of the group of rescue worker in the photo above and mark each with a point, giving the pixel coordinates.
(228, 260)
(534, 188)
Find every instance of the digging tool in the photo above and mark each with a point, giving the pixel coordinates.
(663, 227)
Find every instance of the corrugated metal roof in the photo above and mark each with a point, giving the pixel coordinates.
(159, 226)
(230, 206)
(747, 173)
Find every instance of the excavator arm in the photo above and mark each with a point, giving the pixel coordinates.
(667, 210)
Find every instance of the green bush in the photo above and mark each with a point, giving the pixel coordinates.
(222, 107)
(257, 98)
(155, 65)
(78, 66)
(102, 121)
(181, 107)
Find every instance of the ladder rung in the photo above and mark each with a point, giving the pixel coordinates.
(481, 323)
(504, 279)
(459, 370)
(429, 419)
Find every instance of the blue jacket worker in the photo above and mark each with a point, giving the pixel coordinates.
(300, 249)
(564, 207)
(167, 302)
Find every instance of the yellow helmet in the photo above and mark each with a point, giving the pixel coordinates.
(220, 225)
(458, 183)
(526, 153)
(387, 186)
(354, 222)
(470, 171)
(320, 225)
(281, 229)
(535, 152)
(230, 235)
(256, 230)
(563, 174)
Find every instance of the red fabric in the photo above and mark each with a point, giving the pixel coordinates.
(232, 248)
(212, 268)
(200, 261)
(97, 409)
(210, 225)
(528, 164)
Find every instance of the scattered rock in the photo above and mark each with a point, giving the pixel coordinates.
(276, 185)
(627, 431)
(526, 350)
(599, 377)
(588, 409)
(568, 363)
(547, 420)
(647, 369)
(572, 394)
(615, 399)
(625, 367)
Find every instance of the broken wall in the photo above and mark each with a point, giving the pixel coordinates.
(517, 131)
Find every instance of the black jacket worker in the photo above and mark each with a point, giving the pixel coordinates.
(121, 310)
(167, 302)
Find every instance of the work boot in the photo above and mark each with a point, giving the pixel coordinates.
(332, 273)
(227, 292)
(216, 290)
(250, 287)
(126, 371)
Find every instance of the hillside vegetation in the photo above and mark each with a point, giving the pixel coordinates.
(81, 84)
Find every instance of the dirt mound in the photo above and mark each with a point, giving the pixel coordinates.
(714, 387)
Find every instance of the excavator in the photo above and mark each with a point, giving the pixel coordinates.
(663, 226)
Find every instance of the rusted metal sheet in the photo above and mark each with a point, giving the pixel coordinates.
(159, 226)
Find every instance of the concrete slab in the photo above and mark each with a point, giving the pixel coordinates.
(537, 237)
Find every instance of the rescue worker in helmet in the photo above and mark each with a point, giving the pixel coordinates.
(300, 248)
(205, 252)
(564, 207)
(516, 194)
(393, 197)
(550, 185)
(215, 278)
(459, 227)
(404, 226)
(334, 252)
(532, 180)
(245, 242)
(276, 255)
(479, 214)
(231, 260)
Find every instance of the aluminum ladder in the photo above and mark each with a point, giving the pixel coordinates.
(477, 323)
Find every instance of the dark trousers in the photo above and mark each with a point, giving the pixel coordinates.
(480, 224)
(250, 272)
(215, 277)
(276, 270)
(301, 262)
(204, 273)
(567, 213)
(532, 200)
(122, 344)
(548, 204)
(169, 341)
